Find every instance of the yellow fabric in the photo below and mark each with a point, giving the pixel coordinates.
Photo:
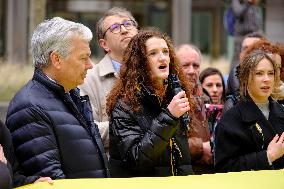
(172, 163)
(238, 180)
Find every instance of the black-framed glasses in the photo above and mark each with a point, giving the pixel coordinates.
(116, 28)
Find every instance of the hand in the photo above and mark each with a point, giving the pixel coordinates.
(207, 157)
(45, 179)
(179, 105)
(2, 156)
(275, 149)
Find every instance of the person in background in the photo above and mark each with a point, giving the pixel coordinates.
(247, 20)
(147, 135)
(51, 125)
(190, 61)
(114, 31)
(250, 136)
(233, 84)
(212, 81)
(280, 98)
(10, 173)
(189, 57)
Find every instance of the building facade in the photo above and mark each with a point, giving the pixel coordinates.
(187, 21)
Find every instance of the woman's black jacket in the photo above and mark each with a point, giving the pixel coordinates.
(242, 137)
(140, 141)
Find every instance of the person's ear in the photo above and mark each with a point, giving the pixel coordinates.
(55, 59)
(104, 45)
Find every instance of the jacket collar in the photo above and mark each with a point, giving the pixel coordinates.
(59, 89)
(43, 79)
(250, 111)
(276, 109)
(148, 96)
(105, 67)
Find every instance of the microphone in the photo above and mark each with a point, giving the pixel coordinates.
(175, 86)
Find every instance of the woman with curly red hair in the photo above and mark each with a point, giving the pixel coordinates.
(147, 133)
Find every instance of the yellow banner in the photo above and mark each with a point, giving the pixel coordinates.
(239, 180)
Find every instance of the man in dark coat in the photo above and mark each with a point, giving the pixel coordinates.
(51, 124)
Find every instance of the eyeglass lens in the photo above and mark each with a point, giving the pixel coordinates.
(115, 28)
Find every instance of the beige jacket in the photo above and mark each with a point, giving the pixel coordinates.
(97, 85)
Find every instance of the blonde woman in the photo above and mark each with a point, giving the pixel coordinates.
(250, 135)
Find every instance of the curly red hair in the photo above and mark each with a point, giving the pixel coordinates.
(135, 71)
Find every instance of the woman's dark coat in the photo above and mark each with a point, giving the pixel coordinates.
(242, 137)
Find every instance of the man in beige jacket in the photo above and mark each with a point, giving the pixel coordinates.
(114, 31)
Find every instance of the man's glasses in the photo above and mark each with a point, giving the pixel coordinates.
(116, 28)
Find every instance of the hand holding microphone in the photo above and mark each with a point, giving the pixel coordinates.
(180, 101)
(179, 105)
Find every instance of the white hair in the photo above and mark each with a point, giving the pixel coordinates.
(55, 35)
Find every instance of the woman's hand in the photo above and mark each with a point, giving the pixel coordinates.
(179, 105)
(45, 179)
(207, 157)
(275, 149)
(2, 156)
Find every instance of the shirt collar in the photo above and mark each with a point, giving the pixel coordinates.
(116, 66)
(50, 78)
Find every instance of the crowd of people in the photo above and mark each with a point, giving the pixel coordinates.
(145, 109)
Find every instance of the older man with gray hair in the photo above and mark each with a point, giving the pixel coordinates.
(199, 136)
(51, 124)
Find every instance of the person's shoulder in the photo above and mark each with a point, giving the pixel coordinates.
(103, 67)
(25, 92)
(278, 107)
(122, 109)
(33, 94)
(92, 75)
(122, 104)
(232, 114)
(105, 61)
(233, 110)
